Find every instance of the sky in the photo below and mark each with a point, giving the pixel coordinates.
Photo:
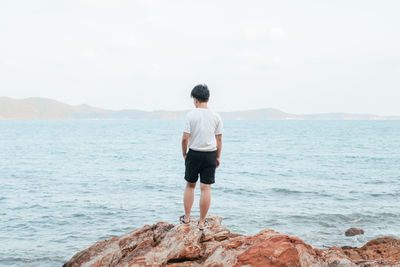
(309, 56)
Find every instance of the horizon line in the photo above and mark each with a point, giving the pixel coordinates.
(181, 110)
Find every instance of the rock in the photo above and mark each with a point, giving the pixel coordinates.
(184, 245)
(385, 250)
(354, 231)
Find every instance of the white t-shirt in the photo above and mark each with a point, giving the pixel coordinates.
(203, 124)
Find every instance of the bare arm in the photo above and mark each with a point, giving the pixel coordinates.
(219, 147)
(185, 139)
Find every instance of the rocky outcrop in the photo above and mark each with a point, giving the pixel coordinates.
(385, 250)
(184, 245)
(354, 231)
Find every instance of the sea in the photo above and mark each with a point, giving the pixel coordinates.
(65, 184)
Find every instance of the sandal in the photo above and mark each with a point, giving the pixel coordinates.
(182, 219)
(206, 224)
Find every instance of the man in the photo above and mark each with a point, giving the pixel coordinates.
(203, 135)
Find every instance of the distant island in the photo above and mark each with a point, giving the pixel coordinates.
(49, 109)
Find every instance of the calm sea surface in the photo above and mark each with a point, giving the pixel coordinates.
(66, 184)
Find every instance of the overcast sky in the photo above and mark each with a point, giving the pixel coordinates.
(297, 56)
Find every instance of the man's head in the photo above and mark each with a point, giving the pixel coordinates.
(200, 93)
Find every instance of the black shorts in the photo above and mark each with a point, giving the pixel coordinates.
(203, 163)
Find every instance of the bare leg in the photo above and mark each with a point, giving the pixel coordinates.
(188, 198)
(205, 199)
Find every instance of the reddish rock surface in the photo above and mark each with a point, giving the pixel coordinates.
(165, 244)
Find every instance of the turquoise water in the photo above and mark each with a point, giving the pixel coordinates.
(67, 184)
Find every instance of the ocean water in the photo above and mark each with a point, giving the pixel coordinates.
(67, 184)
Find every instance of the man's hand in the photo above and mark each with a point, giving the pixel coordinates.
(218, 137)
(185, 140)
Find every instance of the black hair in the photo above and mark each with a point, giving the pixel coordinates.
(200, 92)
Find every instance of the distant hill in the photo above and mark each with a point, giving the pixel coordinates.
(259, 114)
(45, 108)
